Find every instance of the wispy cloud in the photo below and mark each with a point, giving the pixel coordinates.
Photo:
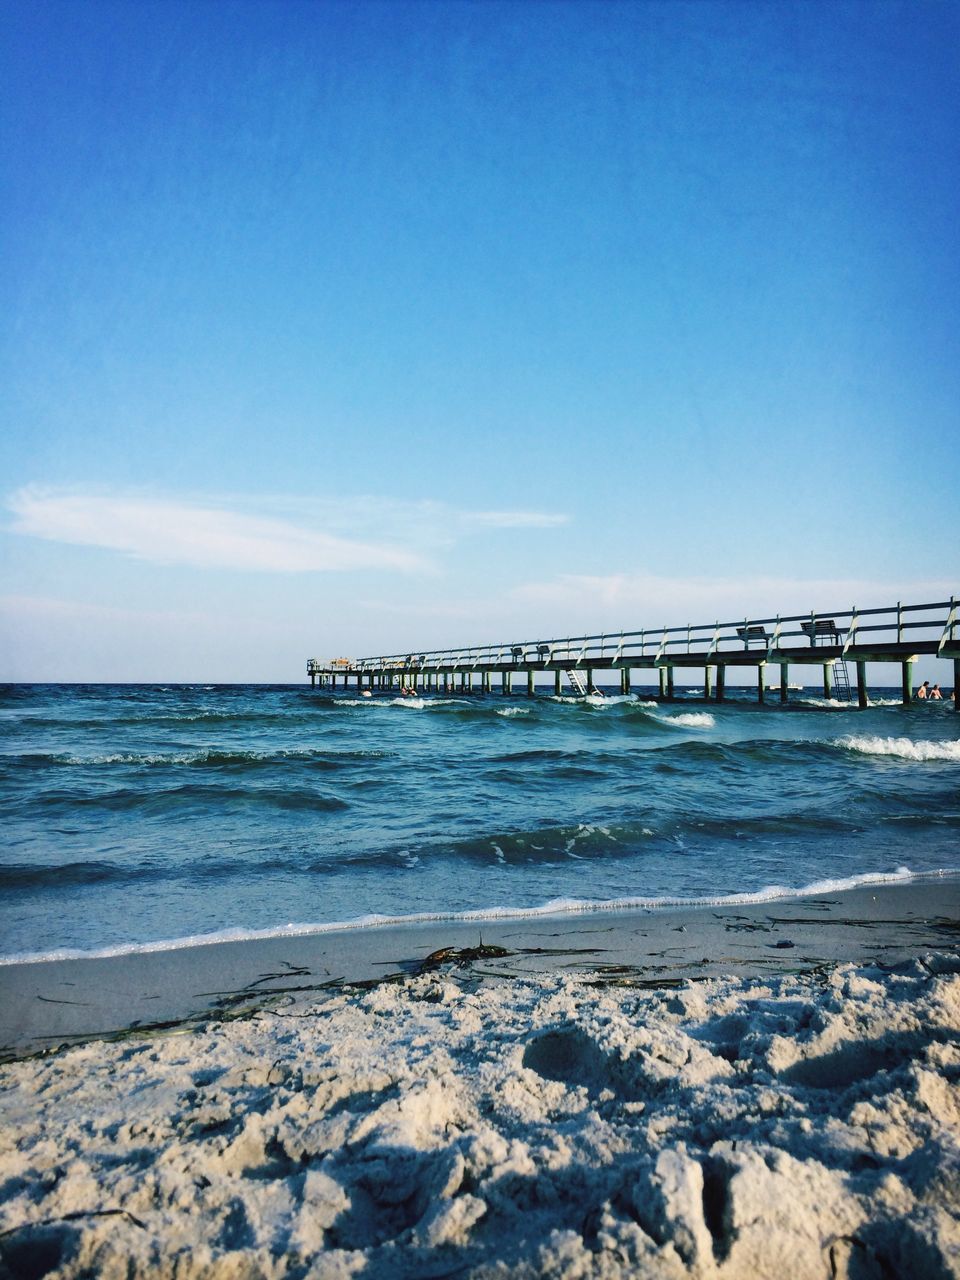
(511, 519)
(634, 600)
(171, 531)
(424, 520)
(273, 535)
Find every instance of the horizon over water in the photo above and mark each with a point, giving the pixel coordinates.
(149, 816)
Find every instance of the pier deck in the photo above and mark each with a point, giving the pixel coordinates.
(897, 634)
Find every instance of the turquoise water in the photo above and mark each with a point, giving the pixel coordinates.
(135, 815)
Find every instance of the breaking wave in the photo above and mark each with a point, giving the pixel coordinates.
(901, 748)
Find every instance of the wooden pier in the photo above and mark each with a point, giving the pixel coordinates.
(899, 634)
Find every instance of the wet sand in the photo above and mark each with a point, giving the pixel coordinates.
(62, 1001)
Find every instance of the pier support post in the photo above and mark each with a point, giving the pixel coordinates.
(485, 683)
(530, 682)
(670, 694)
(784, 681)
(707, 682)
(761, 677)
(721, 676)
(591, 687)
(956, 684)
(828, 679)
(504, 682)
(862, 700)
(557, 683)
(906, 681)
(663, 682)
(624, 680)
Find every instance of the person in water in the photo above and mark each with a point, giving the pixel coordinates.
(935, 694)
(923, 690)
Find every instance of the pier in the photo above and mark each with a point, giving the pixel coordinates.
(900, 634)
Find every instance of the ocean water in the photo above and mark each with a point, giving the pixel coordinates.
(142, 815)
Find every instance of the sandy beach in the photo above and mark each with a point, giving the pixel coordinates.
(766, 1089)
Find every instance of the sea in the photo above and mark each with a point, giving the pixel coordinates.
(138, 817)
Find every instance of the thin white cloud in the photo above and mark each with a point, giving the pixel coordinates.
(170, 531)
(415, 520)
(635, 600)
(512, 519)
(272, 535)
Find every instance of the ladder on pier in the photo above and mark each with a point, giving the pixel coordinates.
(577, 683)
(841, 681)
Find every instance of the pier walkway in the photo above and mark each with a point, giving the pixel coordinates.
(898, 634)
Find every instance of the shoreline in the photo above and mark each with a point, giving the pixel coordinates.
(480, 917)
(50, 1002)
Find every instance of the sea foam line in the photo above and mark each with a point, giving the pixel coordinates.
(904, 748)
(555, 907)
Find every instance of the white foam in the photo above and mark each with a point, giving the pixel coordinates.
(903, 748)
(416, 702)
(514, 711)
(600, 699)
(412, 703)
(203, 755)
(689, 719)
(554, 907)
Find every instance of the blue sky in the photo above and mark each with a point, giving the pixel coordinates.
(349, 328)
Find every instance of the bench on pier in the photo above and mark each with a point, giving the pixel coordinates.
(540, 654)
(822, 629)
(749, 634)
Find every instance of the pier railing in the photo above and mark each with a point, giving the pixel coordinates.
(881, 634)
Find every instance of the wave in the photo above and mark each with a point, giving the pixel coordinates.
(414, 702)
(110, 721)
(556, 907)
(647, 741)
(602, 701)
(901, 748)
(689, 719)
(581, 840)
(513, 711)
(124, 799)
(202, 757)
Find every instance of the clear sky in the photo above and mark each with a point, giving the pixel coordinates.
(347, 328)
